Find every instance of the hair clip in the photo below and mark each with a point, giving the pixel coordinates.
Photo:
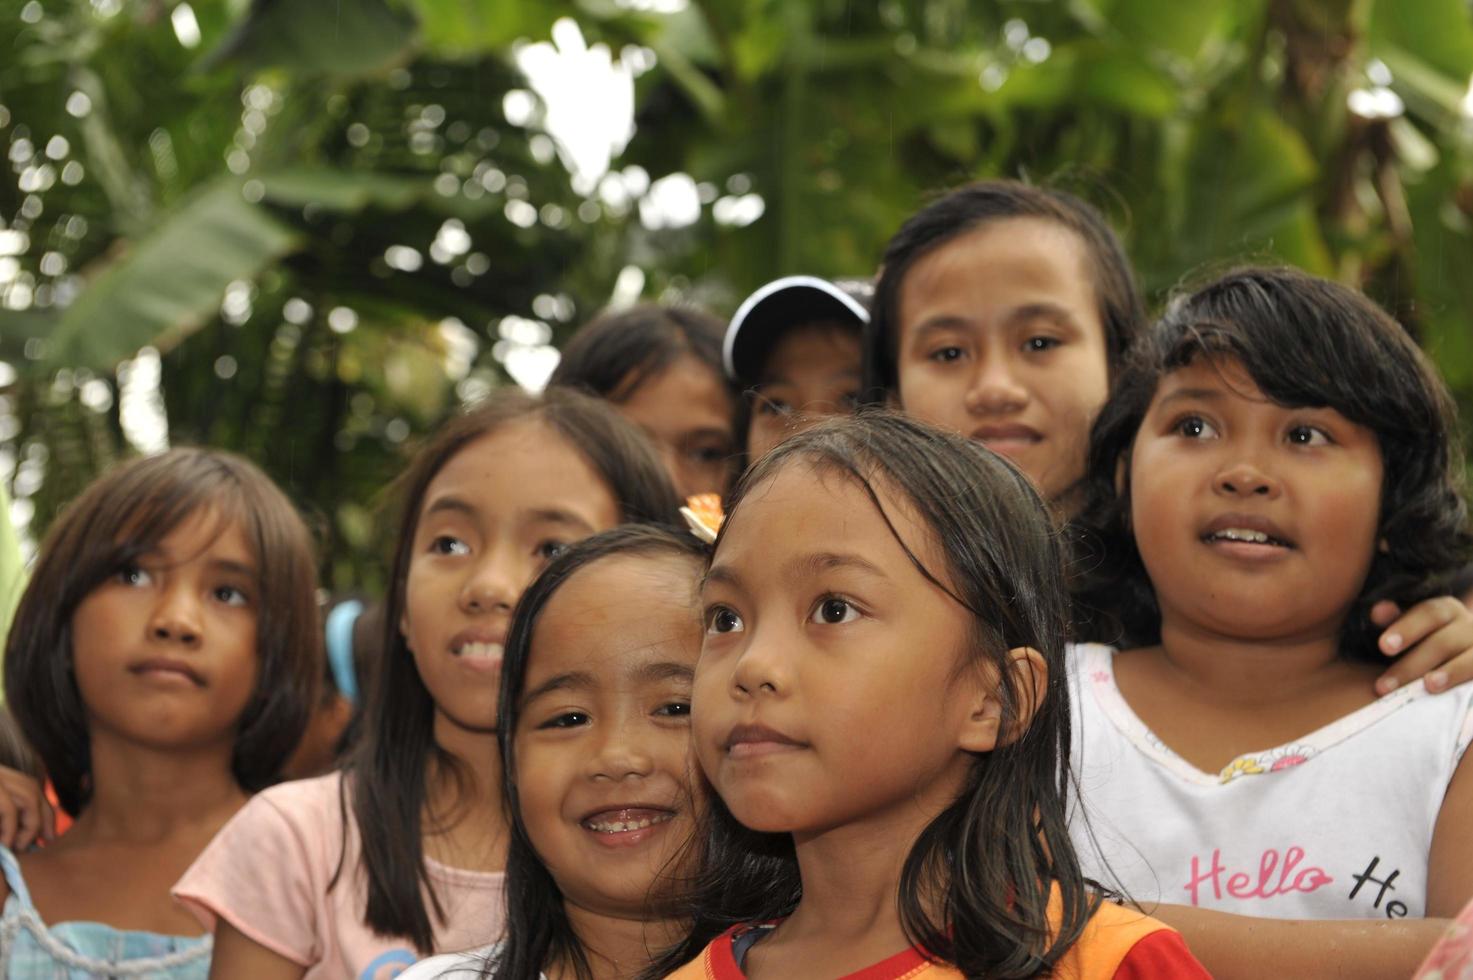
(703, 515)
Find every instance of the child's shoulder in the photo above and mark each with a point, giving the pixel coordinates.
(303, 799)
(1118, 941)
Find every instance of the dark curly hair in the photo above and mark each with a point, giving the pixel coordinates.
(1305, 342)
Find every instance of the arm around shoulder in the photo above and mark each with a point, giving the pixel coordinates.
(1239, 946)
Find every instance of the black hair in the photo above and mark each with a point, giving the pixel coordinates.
(538, 932)
(388, 768)
(615, 353)
(995, 855)
(1304, 341)
(117, 520)
(965, 209)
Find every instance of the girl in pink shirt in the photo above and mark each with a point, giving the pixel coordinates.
(359, 873)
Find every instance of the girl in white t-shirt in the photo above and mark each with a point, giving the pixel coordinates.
(595, 711)
(1276, 458)
(360, 873)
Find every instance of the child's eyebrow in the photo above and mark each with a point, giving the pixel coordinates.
(453, 504)
(232, 567)
(661, 670)
(941, 322)
(1043, 310)
(825, 561)
(1192, 394)
(556, 515)
(579, 680)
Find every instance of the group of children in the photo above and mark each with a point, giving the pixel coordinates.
(1096, 648)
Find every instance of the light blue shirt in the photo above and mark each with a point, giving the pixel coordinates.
(32, 950)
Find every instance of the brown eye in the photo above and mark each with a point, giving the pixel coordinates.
(721, 619)
(832, 611)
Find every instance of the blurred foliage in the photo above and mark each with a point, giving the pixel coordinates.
(323, 219)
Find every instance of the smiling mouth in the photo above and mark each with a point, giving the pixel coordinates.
(480, 651)
(625, 821)
(1240, 535)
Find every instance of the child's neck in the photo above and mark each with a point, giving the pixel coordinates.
(142, 796)
(1239, 670)
(849, 915)
(465, 821)
(616, 948)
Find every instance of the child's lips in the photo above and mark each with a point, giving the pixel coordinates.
(479, 648)
(626, 826)
(749, 741)
(1007, 439)
(167, 669)
(1251, 536)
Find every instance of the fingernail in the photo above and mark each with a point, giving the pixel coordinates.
(1437, 680)
(1391, 642)
(1386, 685)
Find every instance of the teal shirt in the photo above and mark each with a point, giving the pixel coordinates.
(32, 950)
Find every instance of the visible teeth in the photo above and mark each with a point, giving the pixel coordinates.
(482, 651)
(620, 826)
(1242, 534)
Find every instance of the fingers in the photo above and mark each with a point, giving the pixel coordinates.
(1435, 640)
(1384, 613)
(24, 813)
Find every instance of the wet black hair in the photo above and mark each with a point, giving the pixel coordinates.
(538, 933)
(994, 856)
(1304, 341)
(388, 768)
(965, 209)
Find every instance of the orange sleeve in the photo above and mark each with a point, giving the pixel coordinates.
(1160, 955)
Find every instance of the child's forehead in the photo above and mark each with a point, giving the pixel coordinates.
(811, 507)
(222, 524)
(621, 592)
(619, 613)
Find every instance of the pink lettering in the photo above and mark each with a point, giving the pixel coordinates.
(1274, 878)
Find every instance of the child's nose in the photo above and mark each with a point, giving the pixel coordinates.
(176, 618)
(761, 670)
(996, 387)
(495, 583)
(621, 753)
(1243, 479)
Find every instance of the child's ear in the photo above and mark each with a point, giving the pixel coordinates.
(983, 729)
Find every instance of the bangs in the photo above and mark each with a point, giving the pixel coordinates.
(139, 517)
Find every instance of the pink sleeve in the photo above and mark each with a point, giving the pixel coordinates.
(1160, 955)
(258, 874)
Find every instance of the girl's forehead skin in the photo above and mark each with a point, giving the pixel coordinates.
(619, 607)
(525, 465)
(808, 509)
(1000, 264)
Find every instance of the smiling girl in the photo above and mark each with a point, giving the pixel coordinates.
(162, 664)
(881, 708)
(596, 756)
(401, 854)
(1278, 457)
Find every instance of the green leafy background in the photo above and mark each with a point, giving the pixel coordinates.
(226, 198)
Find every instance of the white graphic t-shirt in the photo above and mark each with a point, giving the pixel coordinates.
(1337, 825)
